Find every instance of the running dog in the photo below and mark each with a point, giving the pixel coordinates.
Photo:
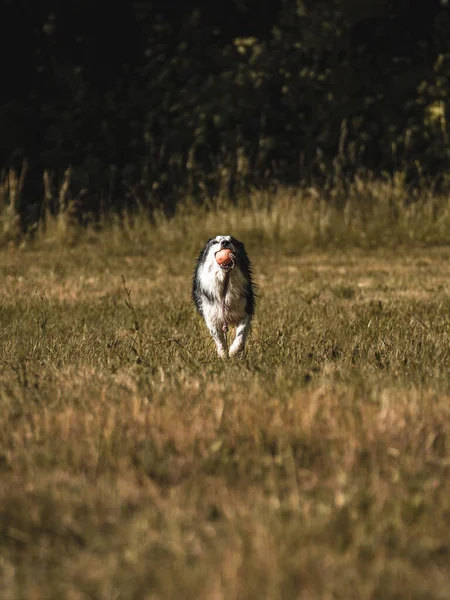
(225, 294)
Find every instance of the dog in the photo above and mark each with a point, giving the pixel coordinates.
(224, 295)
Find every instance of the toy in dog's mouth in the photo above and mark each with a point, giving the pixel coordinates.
(225, 259)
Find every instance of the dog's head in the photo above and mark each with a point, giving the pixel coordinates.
(221, 242)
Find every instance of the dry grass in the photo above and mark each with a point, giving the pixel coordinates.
(135, 465)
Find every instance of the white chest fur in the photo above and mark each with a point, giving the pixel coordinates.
(227, 291)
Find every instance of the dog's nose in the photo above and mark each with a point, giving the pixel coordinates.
(225, 244)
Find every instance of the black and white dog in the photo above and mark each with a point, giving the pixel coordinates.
(225, 295)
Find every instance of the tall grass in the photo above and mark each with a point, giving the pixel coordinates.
(364, 212)
(11, 188)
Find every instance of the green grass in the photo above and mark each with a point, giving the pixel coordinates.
(136, 465)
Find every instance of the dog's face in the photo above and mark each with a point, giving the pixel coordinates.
(216, 244)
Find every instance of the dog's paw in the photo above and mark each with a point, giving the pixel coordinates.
(223, 354)
(236, 350)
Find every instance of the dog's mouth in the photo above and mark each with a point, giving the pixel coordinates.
(226, 266)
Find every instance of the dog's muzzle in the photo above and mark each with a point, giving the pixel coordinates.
(229, 266)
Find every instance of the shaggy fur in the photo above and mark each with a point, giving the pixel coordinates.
(225, 295)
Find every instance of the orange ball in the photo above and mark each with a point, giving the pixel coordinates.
(224, 257)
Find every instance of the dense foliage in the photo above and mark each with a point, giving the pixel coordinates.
(148, 101)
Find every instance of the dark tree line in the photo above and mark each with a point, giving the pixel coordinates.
(148, 101)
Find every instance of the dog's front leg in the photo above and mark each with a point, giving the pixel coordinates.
(242, 331)
(220, 337)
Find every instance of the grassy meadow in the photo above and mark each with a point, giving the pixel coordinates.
(136, 465)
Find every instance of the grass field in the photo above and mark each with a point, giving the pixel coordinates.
(136, 465)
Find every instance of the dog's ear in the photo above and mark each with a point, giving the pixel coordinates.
(240, 248)
(241, 253)
(204, 251)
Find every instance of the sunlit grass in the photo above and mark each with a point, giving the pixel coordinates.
(135, 464)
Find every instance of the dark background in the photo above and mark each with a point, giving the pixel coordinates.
(150, 101)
